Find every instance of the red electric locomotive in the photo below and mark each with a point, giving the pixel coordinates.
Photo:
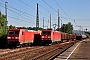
(50, 36)
(16, 37)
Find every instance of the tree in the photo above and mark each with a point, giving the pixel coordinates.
(63, 28)
(2, 24)
(12, 26)
(67, 28)
(3, 27)
(29, 28)
(34, 28)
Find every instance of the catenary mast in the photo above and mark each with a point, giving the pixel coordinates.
(37, 19)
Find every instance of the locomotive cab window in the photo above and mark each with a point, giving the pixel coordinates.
(13, 32)
(46, 32)
(16, 32)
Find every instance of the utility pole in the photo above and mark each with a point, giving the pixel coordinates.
(58, 20)
(50, 21)
(6, 15)
(61, 23)
(47, 24)
(43, 22)
(37, 19)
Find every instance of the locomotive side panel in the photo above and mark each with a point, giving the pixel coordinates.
(28, 37)
(57, 36)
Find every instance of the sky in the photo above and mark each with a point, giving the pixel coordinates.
(23, 12)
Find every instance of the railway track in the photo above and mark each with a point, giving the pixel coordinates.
(16, 53)
(53, 53)
(36, 53)
(4, 50)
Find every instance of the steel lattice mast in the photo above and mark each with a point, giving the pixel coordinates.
(37, 18)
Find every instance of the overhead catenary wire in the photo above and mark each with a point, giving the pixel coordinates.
(47, 10)
(52, 12)
(49, 6)
(39, 11)
(23, 12)
(27, 5)
(34, 9)
(82, 19)
(19, 11)
(63, 10)
(27, 13)
(16, 18)
(53, 9)
(17, 14)
(19, 19)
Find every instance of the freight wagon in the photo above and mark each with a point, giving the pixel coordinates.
(65, 37)
(78, 37)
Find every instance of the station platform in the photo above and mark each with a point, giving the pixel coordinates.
(79, 51)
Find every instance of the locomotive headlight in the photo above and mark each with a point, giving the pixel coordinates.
(8, 37)
(16, 37)
(42, 36)
(49, 36)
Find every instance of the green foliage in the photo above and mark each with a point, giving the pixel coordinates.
(2, 24)
(67, 28)
(29, 28)
(34, 28)
(11, 26)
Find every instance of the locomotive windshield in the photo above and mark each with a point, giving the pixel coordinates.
(13, 32)
(46, 32)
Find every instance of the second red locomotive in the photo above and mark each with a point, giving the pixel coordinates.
(50, 36)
